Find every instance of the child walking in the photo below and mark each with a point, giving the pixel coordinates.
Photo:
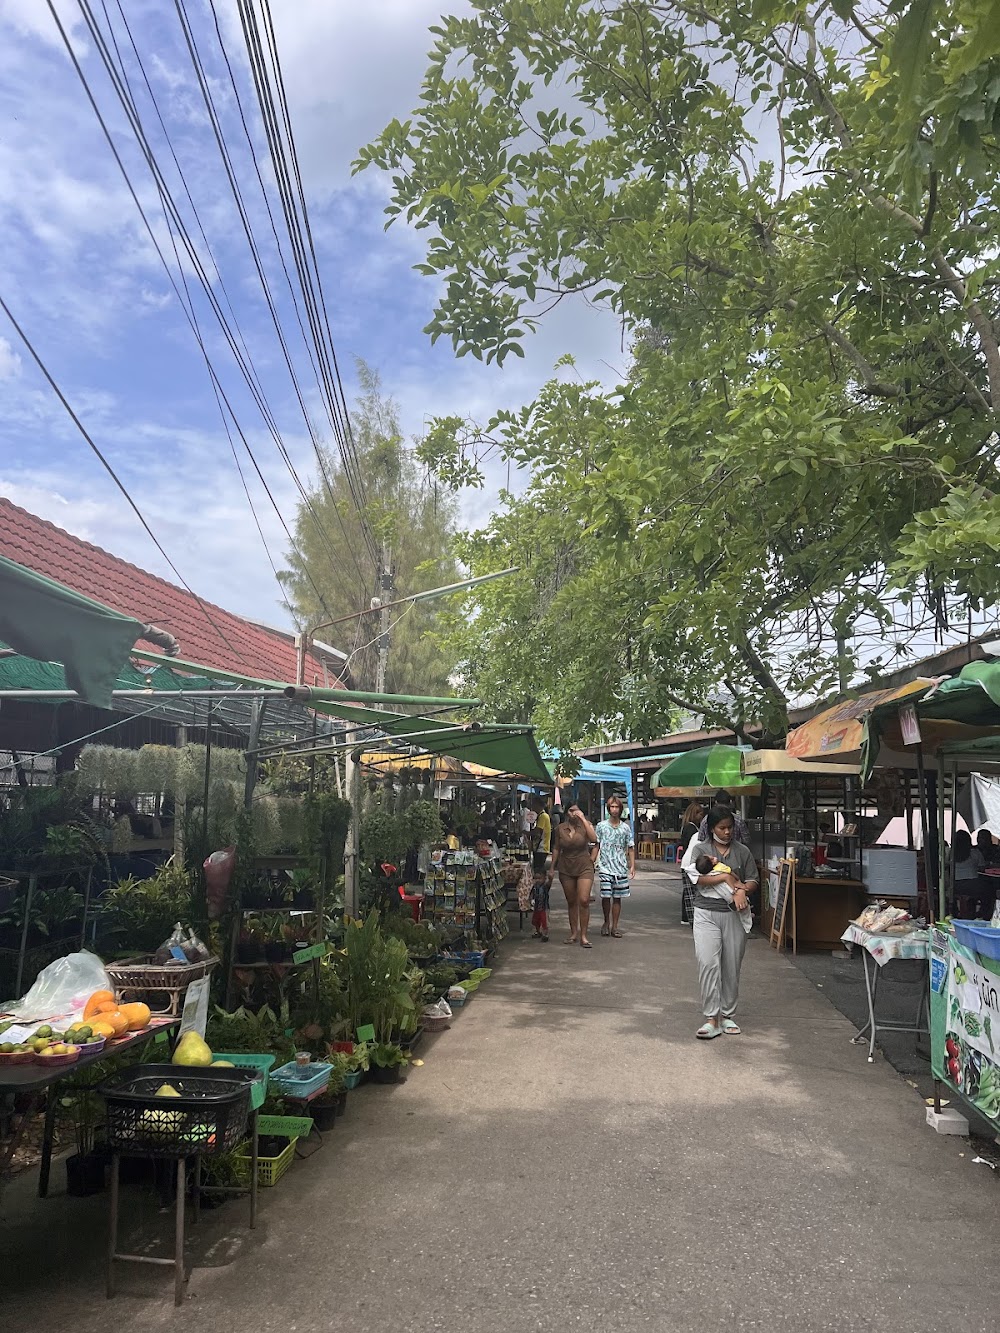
(540, 906)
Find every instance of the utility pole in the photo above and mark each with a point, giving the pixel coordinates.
(383, 618)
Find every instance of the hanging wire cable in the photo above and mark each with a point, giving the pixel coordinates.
(308, 276)
(174, 216)
(221, 401)
(30, 347)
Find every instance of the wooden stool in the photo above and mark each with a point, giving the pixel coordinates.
(647, 850)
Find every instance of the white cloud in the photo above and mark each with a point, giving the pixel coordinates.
(10, 361)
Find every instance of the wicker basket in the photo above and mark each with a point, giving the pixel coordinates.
(138, 975)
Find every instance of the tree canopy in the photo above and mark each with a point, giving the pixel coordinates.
(799, 470)
(332, 570)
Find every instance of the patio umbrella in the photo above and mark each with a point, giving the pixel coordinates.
(705, 770)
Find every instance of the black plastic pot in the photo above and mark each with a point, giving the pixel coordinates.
(249, 951)
(85, 1174)
(324, 1114)
(386, 1073)
(275, 951)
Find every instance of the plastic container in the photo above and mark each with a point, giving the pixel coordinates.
(271, 1169)
(262, 1064)
(209, 1116)
(288, 1079)
(352, 1079)
(980, 938)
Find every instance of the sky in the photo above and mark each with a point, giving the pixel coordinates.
(81, 275)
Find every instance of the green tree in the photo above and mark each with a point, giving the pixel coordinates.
(801, 462)
(405, 510)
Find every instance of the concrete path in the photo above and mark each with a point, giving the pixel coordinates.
(569, 1157)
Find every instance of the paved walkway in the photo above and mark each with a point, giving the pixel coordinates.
(568, 1157)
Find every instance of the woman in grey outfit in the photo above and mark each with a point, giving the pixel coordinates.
(721, 920)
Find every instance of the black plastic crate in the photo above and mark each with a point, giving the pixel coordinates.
(208, 1117)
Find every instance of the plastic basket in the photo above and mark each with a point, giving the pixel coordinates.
(262, 1064)
(208, 1117)
(288, 1081)
(980, 938)
(271, 1169)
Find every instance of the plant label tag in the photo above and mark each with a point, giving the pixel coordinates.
(310, 952)
(161, 1038)
(366, 1033)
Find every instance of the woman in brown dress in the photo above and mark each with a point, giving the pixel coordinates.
(574, 852)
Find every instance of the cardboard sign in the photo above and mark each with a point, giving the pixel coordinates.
(195, 1016)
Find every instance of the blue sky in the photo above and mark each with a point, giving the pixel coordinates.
(82, 276)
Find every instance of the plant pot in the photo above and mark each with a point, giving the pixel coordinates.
(352, 1079)
(85, 1174)
(324, 1114)
(386, 1073)
(341, 1103)
(249, 951)
(275, 951)
(303, 898)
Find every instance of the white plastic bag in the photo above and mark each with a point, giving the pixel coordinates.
(62, 989)
(440, 1010)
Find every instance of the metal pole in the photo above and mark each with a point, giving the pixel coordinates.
(253, 742)
(922, 797)
(208, 778)
(180, 806)
(32, 881)
(352, 773)
(942, 862)
(383, 619)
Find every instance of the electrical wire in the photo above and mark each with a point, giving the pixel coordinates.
(173, 215)
(221, 401)
(30, 347)
(302, 249)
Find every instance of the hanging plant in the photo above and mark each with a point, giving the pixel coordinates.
(266, 825)
(424, 823)
(109, 769)
(190, 771)
(156, 768)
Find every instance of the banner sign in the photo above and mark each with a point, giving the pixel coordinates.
(970, 1060)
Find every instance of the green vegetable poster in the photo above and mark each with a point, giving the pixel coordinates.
(965, 1005)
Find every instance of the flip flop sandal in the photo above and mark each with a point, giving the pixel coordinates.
(707, 1031)
(618, 934)
(730, 1028)
(586, 944)
(605, 930)
(571, 940)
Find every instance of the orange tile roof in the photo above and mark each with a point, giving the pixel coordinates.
(206, 633)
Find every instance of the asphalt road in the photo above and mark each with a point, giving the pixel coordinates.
(569, 1157)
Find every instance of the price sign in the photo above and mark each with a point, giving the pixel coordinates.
(366, 1033)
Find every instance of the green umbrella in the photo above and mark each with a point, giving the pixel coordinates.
(708, 768)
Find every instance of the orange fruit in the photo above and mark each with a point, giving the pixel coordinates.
(138, 1015)
(99, 998)
(106, 1006)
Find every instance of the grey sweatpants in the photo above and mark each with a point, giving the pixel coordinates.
(719, 945)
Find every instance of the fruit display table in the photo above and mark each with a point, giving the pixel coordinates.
(37, 1082)
(878, 950)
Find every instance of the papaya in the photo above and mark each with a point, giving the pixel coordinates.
(101, 1028)
(99, 998)
(117, 1020)
(106, 1006)
(138, 1015)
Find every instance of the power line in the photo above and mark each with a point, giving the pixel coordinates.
(114, 475)
(173, 215)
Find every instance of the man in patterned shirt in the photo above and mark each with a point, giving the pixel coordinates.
(615, 864)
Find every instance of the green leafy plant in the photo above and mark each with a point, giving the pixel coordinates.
(387, 1055)
(136, 916)
(245, 1032)
(423, 822)
(374, 973)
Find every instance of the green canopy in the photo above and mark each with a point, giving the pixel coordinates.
(43, 620)
(708, 766)
(953, 716)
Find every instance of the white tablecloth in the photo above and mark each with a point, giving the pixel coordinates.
(914, 944)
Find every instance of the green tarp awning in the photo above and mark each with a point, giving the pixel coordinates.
(954, 717)
(43, 620)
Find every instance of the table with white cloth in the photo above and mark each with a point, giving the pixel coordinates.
(882, 950)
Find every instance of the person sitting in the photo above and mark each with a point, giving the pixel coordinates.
(741, 833)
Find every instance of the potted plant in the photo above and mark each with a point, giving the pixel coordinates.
(356, 1063)
(387, 1062)
(332, 1102)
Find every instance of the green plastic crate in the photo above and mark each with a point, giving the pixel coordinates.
(271, 1169)
(262, 1063)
